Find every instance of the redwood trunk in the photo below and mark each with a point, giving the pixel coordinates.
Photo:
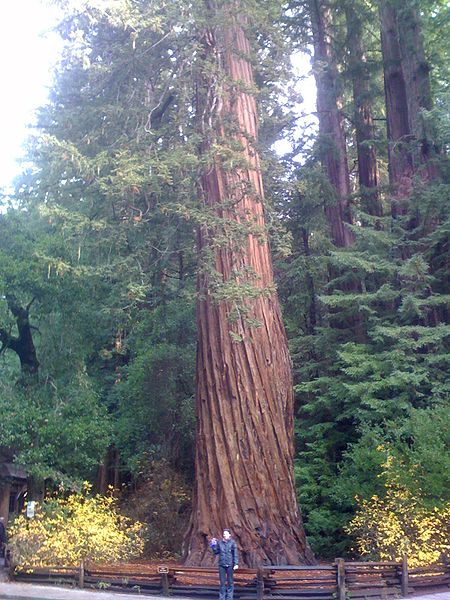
(401, 168)
(5, 493)
(364, 125)
(108, 472)
(244, 395)
(35, 489)
(416, 71)
(333, 148)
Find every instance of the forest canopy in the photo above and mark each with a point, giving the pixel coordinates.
(111, 234)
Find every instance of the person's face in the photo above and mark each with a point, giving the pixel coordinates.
(226, 535)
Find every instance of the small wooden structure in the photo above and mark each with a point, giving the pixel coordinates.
(13, 485)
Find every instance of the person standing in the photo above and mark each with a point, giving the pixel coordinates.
(228, 562)
(2, 536)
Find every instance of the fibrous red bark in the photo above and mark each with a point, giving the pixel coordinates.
(244, 397)
(333, 148)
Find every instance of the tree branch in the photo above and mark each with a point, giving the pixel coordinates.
(7, 341)
(30, 303)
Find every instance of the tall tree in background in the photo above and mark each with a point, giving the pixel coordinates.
(244, 449)
(352, 383)
(412, 149)
(401, 166)
(416, 69)
(332, 143)
(363, 112)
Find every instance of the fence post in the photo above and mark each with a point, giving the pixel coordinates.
(405, 576)
(11, 565)
(340, 578)
(81, 575)
(165, 584)
(259, 584)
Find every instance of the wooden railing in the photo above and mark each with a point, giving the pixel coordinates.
(340, 580)
(318, 582)
(431, 576)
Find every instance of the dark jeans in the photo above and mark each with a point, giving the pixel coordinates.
(226, 583)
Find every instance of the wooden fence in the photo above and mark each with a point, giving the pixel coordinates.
(340, 580)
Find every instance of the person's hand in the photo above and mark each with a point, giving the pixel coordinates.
(213, 540)
(236, 567)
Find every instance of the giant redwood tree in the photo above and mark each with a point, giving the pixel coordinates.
(244, 395)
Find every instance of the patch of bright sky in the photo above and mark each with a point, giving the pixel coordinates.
(29, 52)
(307, 122)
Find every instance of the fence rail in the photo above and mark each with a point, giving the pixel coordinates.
(340, 580)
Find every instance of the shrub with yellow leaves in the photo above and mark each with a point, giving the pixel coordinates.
(66, 530)
(386, 528)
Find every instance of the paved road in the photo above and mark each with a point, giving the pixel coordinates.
(28, 591)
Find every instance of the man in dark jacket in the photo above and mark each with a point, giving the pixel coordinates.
(2, 536)
(228, 562)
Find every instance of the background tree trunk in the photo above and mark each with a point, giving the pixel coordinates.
(311, 322)
(364, 125)
(108, 472)
(332, 144)
(244, 396)
(35, 489)
(401, 168)
(416, 71)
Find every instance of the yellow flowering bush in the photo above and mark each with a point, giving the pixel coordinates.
(66, 530)
(385, 528)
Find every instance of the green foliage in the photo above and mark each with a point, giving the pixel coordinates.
(374, 367)
(55, 425)
(57, 434)
(154, 394)
(367, 324)
(102, 186)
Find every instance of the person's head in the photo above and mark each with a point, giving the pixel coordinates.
(226, 534)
